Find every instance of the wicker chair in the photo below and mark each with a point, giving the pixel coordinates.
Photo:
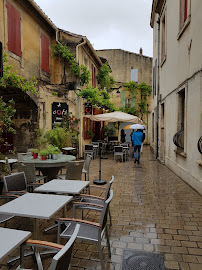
(61, 260)
(89, 231)
(73, 170)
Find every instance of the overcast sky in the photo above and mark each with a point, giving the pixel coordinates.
(108, 24)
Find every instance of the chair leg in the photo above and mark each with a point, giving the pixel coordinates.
(100, 254)
(108, 242)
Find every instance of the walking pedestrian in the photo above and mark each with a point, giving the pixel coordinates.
(137, 141)
(123, 136)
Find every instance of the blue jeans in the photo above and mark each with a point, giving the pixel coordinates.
(137, 147)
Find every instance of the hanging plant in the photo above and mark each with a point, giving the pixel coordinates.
(61, 50)
(104, 79)
(15, 80)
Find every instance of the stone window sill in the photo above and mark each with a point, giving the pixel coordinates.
(186, 23)
(181, 153)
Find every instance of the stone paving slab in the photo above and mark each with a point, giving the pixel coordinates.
(153, 210)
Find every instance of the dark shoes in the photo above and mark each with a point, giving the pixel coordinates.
(137, 160)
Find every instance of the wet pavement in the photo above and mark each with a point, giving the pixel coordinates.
(152, 210)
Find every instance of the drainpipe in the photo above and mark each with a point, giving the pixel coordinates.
(158, 90)
(77, 98)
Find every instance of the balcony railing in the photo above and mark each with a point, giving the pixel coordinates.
(199, 144)
(178, 139)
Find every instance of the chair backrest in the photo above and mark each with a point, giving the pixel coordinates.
(87, 162)
(61, 260)
(74, 170)
(29, 170)
(15, 182)
(88, 147)
(8, 165)
(107, 192)
(118, 149)
(104, 215)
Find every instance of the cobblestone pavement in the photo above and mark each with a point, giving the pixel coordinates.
(152, 210)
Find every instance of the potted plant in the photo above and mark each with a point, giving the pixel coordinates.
(35, 152)
(55, 153)
(43, 153)
(90, 134)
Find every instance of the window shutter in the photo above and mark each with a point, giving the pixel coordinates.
(45, 53)
(85, 128)
(14, 30)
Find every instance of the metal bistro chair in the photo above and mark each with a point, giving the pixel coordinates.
(119, 151)
(86, 166)
(89, 231)
(30, 174)
(88, 149)
(96, 200)
(61, 261)
(126, 147)
(73, 170)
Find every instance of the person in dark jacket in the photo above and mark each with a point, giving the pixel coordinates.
(123, 136)
(137, 141)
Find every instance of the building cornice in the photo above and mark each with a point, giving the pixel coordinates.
(156, 8)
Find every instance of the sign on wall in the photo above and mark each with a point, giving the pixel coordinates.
(58, 111)
(88, 109)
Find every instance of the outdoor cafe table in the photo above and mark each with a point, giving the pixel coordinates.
(10, 240)
(36, 206)
(73, 187)
(50, 167)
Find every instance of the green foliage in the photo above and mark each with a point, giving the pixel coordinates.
(54, 93)
(13, 79)
(61, 50)
(53, 149)
(57, 137)
(35, 150)
(144, 90)
(108, 131)
(7, 112)
(44, 152)
(90, 133)
(105, 81)
(97, 98)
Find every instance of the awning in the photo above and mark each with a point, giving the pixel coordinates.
(116, 116)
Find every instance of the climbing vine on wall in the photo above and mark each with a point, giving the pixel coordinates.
(61, 50)
(15, 80)
(144, 91)
(98, 98)
(104, 79)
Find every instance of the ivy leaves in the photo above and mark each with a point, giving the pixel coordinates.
(61, 50)
(105, 81)
(15, 80)
(98, 98)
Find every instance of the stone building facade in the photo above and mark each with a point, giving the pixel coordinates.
(128, 66)
(28, 36)
(177, 93)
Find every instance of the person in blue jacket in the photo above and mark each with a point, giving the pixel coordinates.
(137, 139)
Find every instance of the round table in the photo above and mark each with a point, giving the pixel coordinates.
(50, 167)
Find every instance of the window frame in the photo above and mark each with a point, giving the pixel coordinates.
(184, 22)
(163, 37)
(46, 38)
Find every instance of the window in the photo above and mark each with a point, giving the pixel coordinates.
(179, 137)
(154, 78)
(134, 75)
(163, 38)
(45, 53)
(14, 30)
(93, 76)
(183, 12)
(127, 103)
(88, 126)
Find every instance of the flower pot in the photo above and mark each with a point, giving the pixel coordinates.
(54, 156)
(35, 155)
(43, 157)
